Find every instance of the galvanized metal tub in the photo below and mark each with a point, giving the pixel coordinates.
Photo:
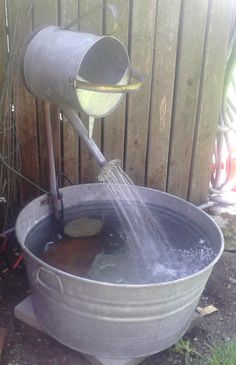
(114, 320)
(53, 57)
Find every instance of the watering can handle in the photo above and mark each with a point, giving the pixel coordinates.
(110, 88)
(112, 9)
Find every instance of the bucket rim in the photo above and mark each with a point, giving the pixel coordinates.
(128, 71)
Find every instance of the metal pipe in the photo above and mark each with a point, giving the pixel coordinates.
(83, 132)
(206, 205)
(51, 162)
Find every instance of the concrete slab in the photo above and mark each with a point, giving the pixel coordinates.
(102, 361)
(24, 312)
(225, 217)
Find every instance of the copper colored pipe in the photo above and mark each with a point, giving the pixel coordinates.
(51, 161)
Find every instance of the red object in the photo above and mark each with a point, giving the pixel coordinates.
(10, 258)
(17, 263)
(3, 243)
(233, 168)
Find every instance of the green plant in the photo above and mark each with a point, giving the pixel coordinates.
(185, 348)
(223, 354)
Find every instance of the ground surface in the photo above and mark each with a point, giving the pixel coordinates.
(26, 346)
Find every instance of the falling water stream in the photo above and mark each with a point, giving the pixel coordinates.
(155, 257)
(146, 238)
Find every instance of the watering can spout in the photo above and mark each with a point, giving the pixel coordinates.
(83, 133)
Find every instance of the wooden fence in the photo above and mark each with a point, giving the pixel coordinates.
(164, 134)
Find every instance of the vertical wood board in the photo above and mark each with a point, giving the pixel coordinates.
(5, 174)
(191, 45)
(45, 13)
(94, 24)
(25, 114)
(167, 25)
(216, 52)
(142, 43)
(69, 12)
(114, 124)
(3, 46)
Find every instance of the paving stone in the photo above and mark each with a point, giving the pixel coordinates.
(225, 217)
(102, 361)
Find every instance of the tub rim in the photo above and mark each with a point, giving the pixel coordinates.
(115, 285)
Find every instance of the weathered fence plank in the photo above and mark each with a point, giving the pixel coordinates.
(44, 18)
(167, 25)
(25, 114)
(114, 124)
(5, 189)
(45, 13)
(141, 48)
(69, 12)
(190, 53)
(216, 50)
(3, 45)
(164, 134)
(94, 24)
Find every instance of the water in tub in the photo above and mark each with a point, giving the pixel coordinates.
(126, 242)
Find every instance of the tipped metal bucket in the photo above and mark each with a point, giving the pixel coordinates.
(75, 69)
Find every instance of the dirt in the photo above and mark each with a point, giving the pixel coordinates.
(215, 328)
(27, 346)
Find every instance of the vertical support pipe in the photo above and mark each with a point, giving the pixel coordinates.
(51, 161)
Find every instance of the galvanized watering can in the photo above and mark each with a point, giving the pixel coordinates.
(83, 71)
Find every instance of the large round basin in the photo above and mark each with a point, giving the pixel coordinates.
(114, 320)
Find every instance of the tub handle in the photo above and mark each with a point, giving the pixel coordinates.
(52, 274)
